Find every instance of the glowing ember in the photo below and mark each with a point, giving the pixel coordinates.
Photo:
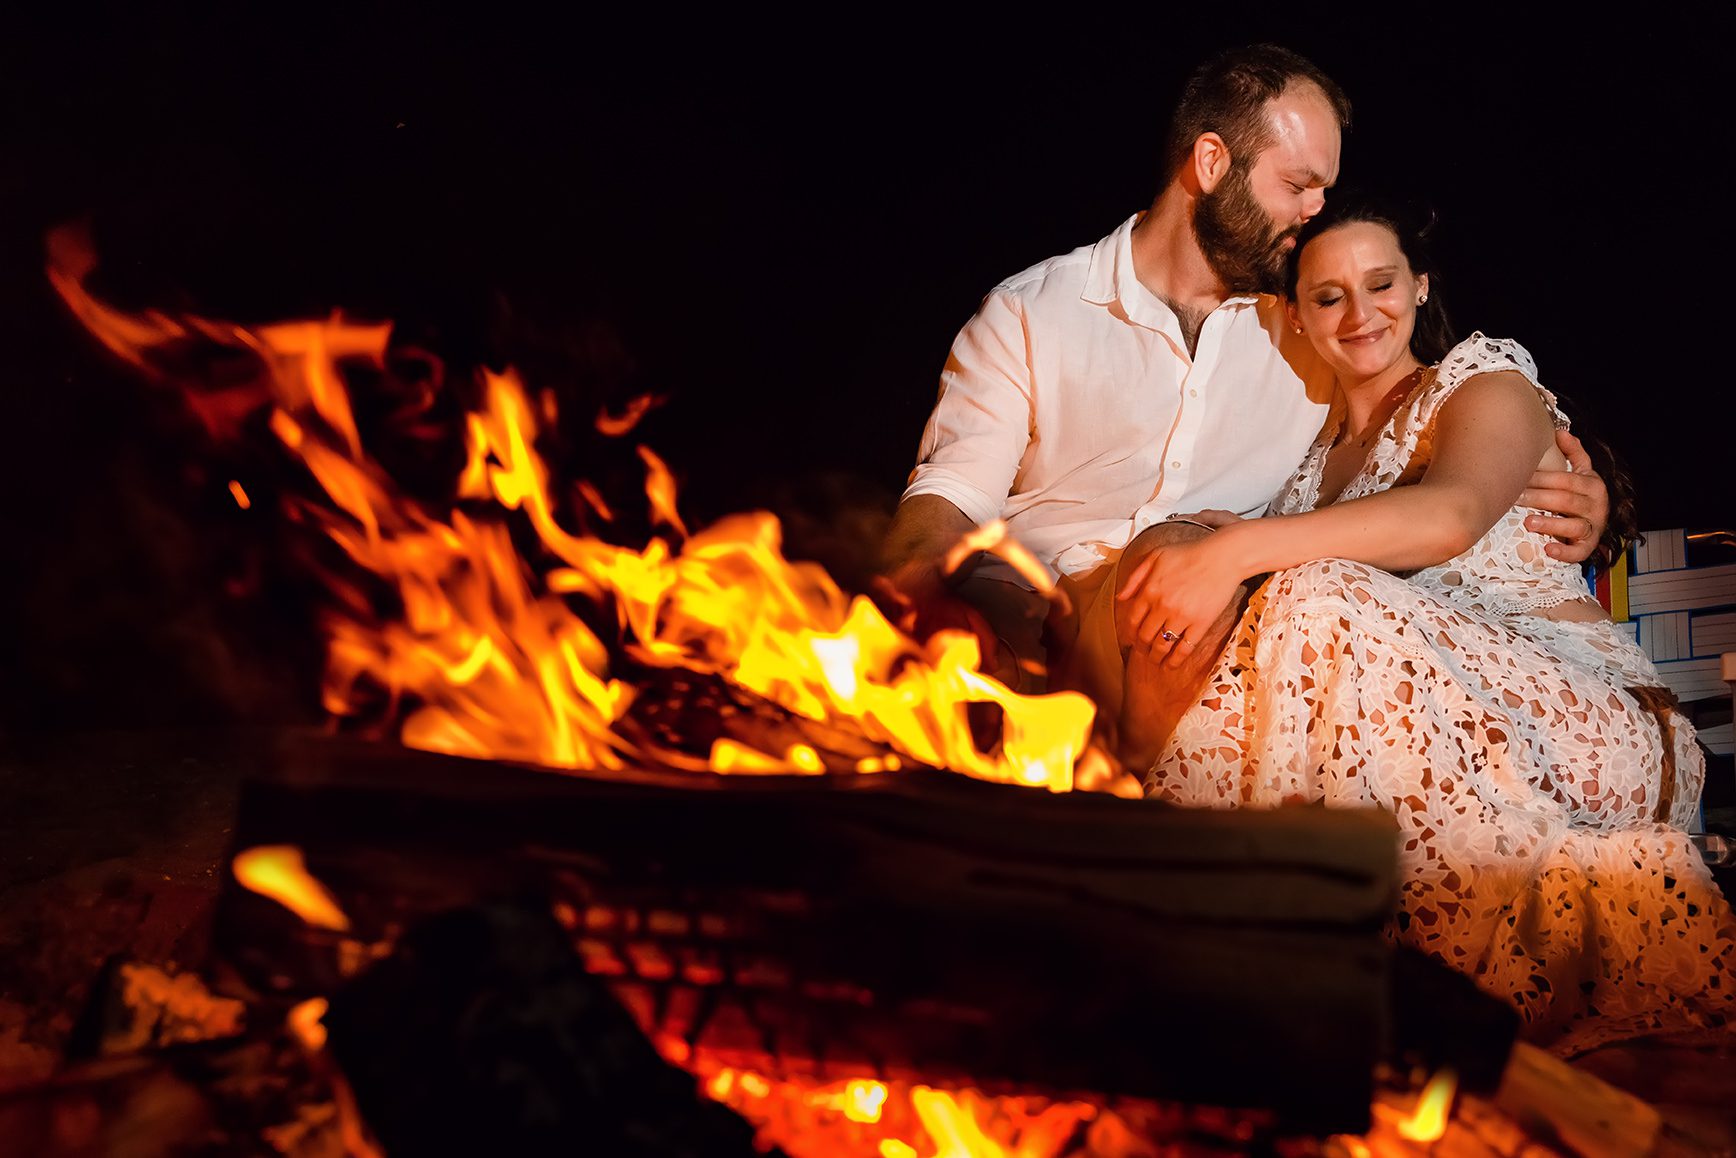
(306, 1022)
(492, 654)
(863, 1117)
(279, 872)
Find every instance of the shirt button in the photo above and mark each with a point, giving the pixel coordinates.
(1175, 465)
(1193, 393)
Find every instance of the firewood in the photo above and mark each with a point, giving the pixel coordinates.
(918, 924)
(1552, 1099)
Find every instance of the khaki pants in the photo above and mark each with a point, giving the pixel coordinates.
(1086, 656)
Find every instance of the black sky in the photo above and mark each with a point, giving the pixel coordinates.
(778, 224)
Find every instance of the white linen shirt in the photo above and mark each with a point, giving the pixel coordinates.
(1070, 408)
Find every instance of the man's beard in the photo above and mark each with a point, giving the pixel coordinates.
(1238, 238)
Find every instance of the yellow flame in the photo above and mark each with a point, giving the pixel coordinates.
(239, 494)
(863, 1101)
(733, 756)
(809, 1117)
(1428, 1121)
(660, 489)
(278, 871)
(955, 1132)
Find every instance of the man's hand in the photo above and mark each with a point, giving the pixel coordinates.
(1575, 502)
(917, 601)
(913, 590)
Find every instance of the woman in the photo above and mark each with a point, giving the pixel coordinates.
(1415, 648)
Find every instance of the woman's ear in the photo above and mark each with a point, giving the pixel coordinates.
(1422, 289)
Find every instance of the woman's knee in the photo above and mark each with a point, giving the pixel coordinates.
(1323, 581)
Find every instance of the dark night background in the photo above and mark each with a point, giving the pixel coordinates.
(777, 224)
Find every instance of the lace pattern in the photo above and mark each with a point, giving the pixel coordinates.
(1526, 781)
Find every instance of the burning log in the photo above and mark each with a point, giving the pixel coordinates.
(915, 925)
(488, 1014)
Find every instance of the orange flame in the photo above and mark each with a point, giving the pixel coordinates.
(279, 872)
(594, 499)
(306, 1023)
(615, 425)
(485, 654)
(660, 488)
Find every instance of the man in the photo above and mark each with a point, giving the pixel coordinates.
(1099, 395)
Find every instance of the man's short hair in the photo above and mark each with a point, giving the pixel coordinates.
(1227, 95)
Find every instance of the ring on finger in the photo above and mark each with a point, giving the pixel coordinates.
(1168, 636)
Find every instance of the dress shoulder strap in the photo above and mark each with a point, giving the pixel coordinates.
(1480, 354)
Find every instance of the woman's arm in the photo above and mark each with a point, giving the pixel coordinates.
(1490, 435)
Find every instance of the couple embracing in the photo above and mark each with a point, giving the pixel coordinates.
(1320, 549)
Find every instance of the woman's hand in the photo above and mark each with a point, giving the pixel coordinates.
(1177, 594)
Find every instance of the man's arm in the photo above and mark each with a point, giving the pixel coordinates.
(1577, 500)
(924, 529)
(913, 587)
(970, 452)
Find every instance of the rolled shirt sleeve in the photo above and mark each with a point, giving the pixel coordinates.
(980, 428)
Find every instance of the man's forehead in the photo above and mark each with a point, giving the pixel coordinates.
(1305, 133)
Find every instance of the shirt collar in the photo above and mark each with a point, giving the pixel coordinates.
(1110, 277)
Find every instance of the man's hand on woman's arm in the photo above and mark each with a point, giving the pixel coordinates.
(1573, 504)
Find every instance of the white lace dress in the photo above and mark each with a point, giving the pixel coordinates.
(1542, 851)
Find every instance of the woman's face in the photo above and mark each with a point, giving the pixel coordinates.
(1356, 300)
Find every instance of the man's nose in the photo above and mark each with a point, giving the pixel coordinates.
(1313, 202)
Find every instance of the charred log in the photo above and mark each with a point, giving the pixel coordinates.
(482, 1033)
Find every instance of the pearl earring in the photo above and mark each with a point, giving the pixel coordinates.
(1423, 299)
